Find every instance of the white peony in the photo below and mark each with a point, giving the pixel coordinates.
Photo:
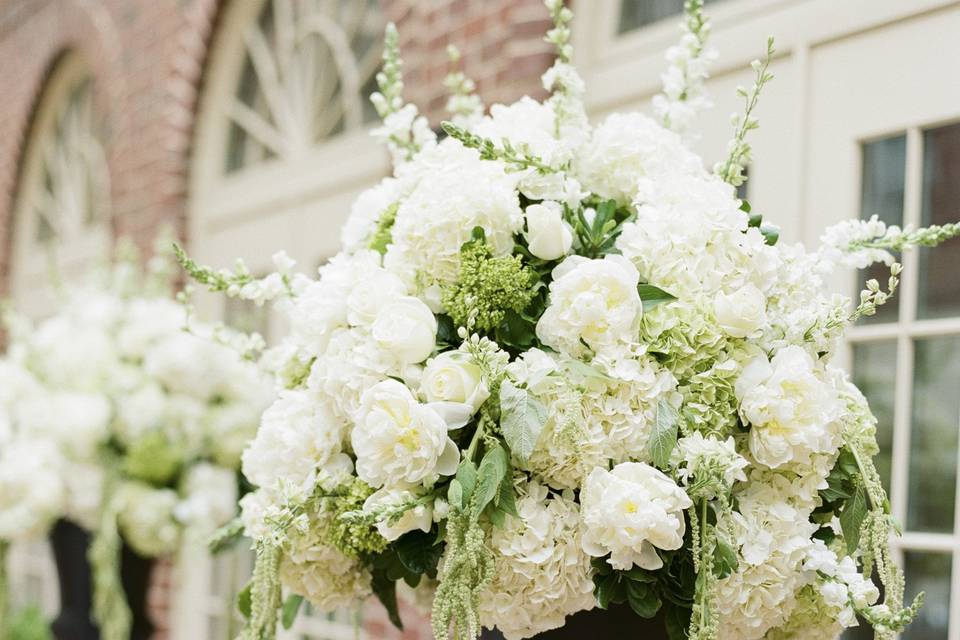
(452, 376)
(792, 412)
(541, 573)
(593, 302)
(398, 440)
(742, 313)
(548, 235)
(630, 512)
(407, 329)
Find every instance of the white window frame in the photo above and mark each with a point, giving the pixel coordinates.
(904, 331)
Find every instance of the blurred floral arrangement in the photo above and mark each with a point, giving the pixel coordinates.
(117, 416)
(560, 366)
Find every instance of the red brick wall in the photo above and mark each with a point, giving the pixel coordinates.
(147, 59)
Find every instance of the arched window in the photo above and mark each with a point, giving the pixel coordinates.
(60, 224)
(62, 206)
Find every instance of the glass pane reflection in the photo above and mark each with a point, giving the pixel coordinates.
(933, 434)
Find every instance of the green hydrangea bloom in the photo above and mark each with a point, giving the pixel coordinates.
(152, 458)
(352, 537)
(487, 287)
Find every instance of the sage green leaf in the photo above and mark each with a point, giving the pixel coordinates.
(291, 606)
(493, 469)
(663, 437)
(521, 419)
(725, 559)
(467, 477)
(652, 296)
(851, 518)
(455, 494)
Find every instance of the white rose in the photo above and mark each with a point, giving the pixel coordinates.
(418, 517)
(630, 512)
(398, 440)
(369, 295)
(741, 313)
(407, 329)
(548, 236)
(453, 377)
(593, 302)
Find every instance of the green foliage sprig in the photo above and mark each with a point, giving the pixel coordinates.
(517, 158)
(739, 152)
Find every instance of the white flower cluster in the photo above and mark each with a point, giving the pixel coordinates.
(113, 387)
(559, 364)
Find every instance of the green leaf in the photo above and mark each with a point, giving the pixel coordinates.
(643, 599)
(521, 419)
(585, 370)
(851, 519)
(725, 559)
(226, 536)
(677, 621)
(291, 606)
(386, 591)
(652, 296)
(417, 553)
(244, 600)
(606, 589)
(493, 469)
(446, 331)
(467, 477)
(507, 498)
(663, 437)
(455, 494)
(639, 574)
(770, 234)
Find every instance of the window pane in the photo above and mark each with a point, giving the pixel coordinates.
(638, 13)
(928, 572)
(939, 292)
(881, 194)
(933, 434)
(874, 366)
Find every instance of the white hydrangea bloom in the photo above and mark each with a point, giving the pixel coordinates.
(630, 512)
(300, 442)
(365, 213)
(593, 302)
(627, 148)
(76, 421)
(322, 574)
(541, 573)
(791, 410)
(210, 498)
(146, 518)
(462, 192)
(698, 456)
(32, 492)
(398, 440)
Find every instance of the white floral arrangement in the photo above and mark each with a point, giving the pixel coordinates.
(115, 416)
(560, 365)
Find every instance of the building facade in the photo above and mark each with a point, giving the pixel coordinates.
(243, 125)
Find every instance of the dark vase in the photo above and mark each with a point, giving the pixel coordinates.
(75, 621)
(619, 621)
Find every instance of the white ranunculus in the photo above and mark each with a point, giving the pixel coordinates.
(407, 329)
(398, 440)
(418, 517)
(630, 512)
(453, 377)
(593, 302)
(741, 313)
(548, 236)
(792, 413)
